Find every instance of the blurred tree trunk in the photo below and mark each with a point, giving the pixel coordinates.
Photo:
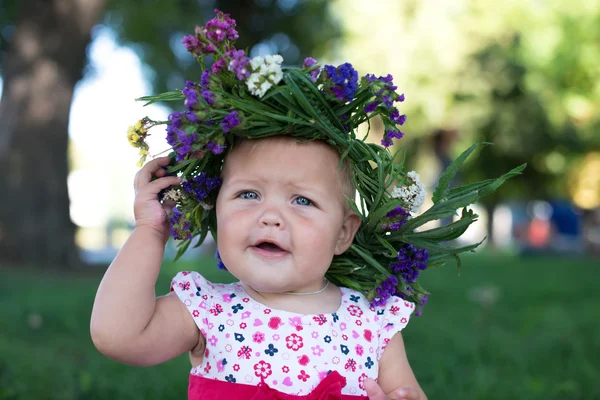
(44, 62)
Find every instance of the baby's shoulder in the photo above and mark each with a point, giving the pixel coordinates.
(357, 305)
(196, 285)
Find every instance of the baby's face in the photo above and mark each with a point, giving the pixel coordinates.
(281, 214)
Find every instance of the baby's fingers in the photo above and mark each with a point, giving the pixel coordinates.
(159, 184)
(145, 174)
(404, 394)
(373, 390)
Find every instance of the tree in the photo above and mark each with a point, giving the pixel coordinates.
(44, 57)
(43, 62)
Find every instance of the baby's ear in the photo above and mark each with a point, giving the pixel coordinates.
(349, 228)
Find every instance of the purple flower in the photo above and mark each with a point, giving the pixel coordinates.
(180, 226)
(200, 186)
(220, 28)
(370, 107)
(230, 121)
(205, 78)
(310, 62)
(239, 64)
(385, 290)
(190, 91)
(208, 96)
(215, 147)
(411, 260)
(192, 44)
(220, 264)
(390, 134)
(341, 81)
(218, 66)
(397, 118)
(394, 219)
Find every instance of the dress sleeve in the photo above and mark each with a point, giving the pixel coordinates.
(394, 316)
(197, 294)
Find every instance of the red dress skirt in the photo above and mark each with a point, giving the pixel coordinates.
(201, 388)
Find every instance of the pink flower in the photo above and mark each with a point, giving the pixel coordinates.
(258, 337)
(213, 340)
(262, 368)
(303, 376)
(317, 350)
(294, 342)
(359, 350)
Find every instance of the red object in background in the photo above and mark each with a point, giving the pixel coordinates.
(538, 232)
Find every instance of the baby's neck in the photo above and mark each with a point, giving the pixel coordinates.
(325, 302)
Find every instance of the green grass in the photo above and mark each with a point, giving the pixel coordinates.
(536, 337)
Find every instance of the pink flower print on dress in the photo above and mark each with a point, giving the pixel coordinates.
(236, 367)
(294, 342)
(275, 322)
(315, 334)
(285, 369)
(317, 350)
(368, 335)
(355, 311)
(258, 337)
(245, 314)
(303, 376)
(303, 360)
(213, 340)
(361, 381)
(196, 313)
(227, 298)
(262, 369)
(207, 368)
(296, 322)
(359, 350)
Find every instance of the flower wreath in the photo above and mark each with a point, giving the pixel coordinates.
(239, 97)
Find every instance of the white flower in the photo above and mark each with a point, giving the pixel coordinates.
(256, 62)
(266, 72)
(206, 206)
(413, 194)
(173, 194)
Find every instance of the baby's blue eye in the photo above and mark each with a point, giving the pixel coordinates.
(303, 201)
(248, 196)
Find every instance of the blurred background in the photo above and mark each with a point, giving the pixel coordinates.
(522, 319)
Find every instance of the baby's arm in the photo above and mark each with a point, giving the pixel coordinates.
(396, 379)
(129, 324)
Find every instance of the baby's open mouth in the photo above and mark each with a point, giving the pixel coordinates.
(269, 247)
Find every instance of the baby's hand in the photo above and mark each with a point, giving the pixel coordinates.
(375, 392)
(148, 211)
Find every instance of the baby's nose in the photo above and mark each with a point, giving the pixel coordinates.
(272, 218)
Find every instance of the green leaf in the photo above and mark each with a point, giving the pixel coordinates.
(450, 172)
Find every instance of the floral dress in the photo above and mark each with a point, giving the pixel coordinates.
(254, 350)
